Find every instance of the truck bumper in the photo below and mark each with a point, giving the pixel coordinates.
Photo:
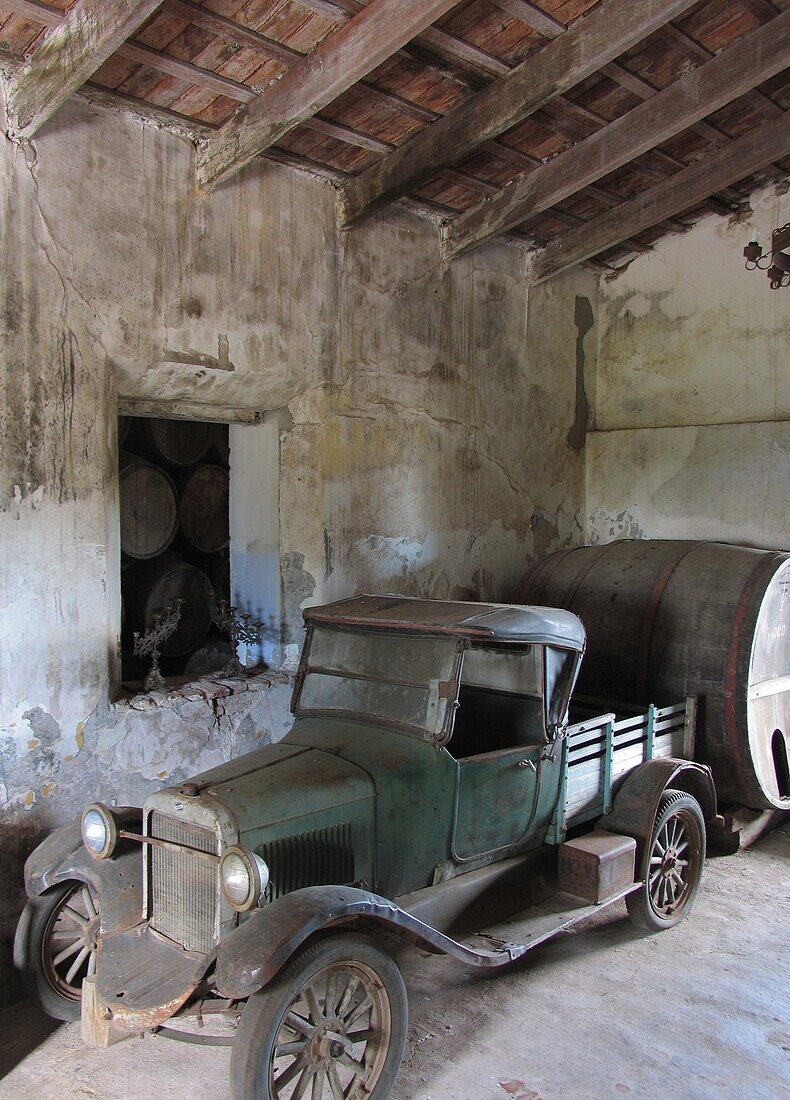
(141, 980)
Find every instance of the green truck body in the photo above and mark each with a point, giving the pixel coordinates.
(434, 744)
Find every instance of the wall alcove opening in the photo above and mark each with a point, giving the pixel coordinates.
(174, 489)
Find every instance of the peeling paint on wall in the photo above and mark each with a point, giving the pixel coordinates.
(422, 432)
(693, 392)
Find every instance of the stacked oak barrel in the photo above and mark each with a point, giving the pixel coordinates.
(671, 618)
(174, 489)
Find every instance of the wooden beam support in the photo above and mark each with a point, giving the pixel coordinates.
(69, 55)
(339, 61)
(35, 11)
(532, 16)
(695, 49)
(607, 32)
(47, 16)
(232, 32)
(549, 27)
(720, 168)
(753, 59)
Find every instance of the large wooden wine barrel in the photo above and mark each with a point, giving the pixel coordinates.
(670, 618)
(151, 586)
(178, 442)
(204, 509)
(148, 507)
(220, 441)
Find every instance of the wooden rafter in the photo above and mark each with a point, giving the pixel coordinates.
(339, 61)
(549, 27)
(231, 32)
(720, 168)
(590, 43)
(750, 61)
(71, 52)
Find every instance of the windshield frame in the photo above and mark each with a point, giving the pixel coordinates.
(448, 689)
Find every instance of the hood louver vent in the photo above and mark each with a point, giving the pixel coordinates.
(324, 857)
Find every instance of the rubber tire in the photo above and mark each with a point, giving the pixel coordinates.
(34, 976)
(640, 909)
(260, 1020)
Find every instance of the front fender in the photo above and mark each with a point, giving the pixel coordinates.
(636, 803)
(254, 953)
(118, 881)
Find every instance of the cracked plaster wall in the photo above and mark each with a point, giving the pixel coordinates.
(692, 394)
(423, 411)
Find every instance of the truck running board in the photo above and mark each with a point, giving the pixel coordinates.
(536, 924)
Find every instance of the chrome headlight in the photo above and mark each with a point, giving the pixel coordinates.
(99, 831)
(244, 878)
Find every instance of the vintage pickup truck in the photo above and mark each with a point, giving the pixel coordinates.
(431, 760)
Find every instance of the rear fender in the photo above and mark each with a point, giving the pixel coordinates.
(636, 803)
(118, 881)
(256, 951)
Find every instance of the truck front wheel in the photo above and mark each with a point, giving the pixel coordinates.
(61, 947)
(332, 1025)
(671, 864)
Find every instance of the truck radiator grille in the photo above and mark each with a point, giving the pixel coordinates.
(320, 858)
(184, 887)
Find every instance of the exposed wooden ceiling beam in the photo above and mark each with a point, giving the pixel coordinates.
(232, 32)
(90, 33)
(446, 53)
(242, 93)
(35, 11)
(757, 57)
(607, 32)
(532, 16)
(695, 49)
(720, 168)
(336, 63)
(549, 27)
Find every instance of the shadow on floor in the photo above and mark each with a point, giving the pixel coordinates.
(23, 1028)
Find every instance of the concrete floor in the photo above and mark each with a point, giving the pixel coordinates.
(600, 1012)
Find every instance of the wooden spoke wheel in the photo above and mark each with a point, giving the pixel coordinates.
(62, 948)
(671, 864)
(333, 1027)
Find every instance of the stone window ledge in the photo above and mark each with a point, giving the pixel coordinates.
(206, 689)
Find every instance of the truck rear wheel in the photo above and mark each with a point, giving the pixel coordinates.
(671, 864)
(332, 1025)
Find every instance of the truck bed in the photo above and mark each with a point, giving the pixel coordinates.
(598, 752)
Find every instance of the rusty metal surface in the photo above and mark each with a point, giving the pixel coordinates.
(141, 981)
(597, 865)
(184, 885)
(253, 954)
(636, 803)
(118, 881)
(495, 622)
(182, 895)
